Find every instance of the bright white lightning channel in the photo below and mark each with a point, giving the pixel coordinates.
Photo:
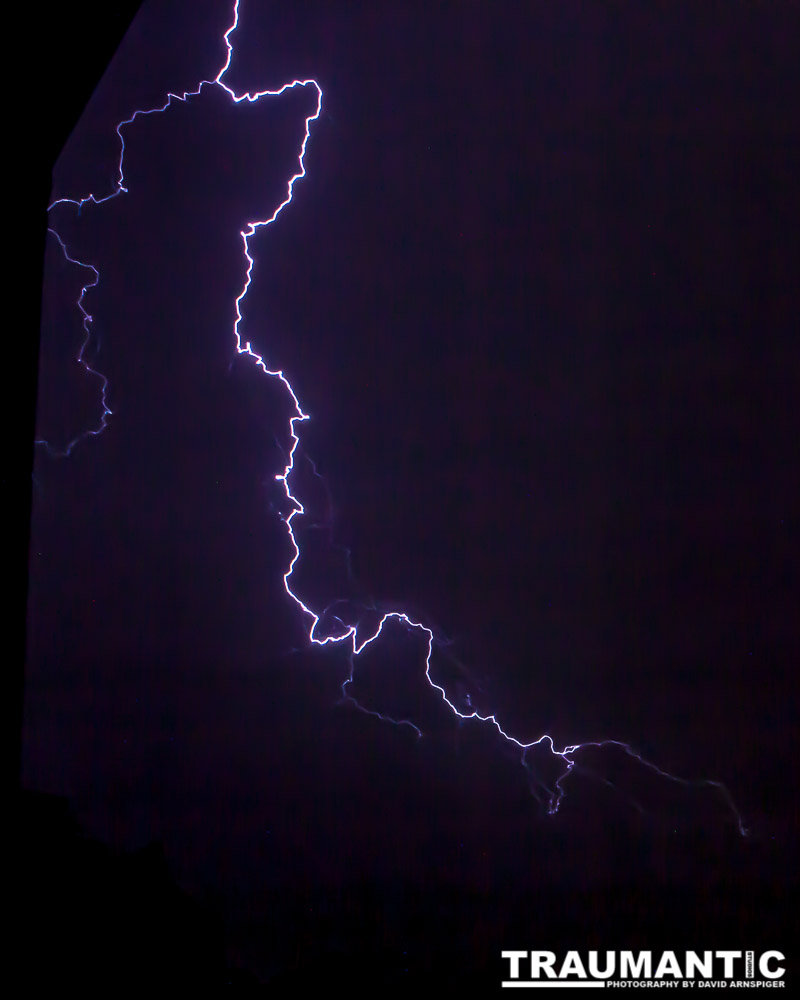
(316, 634)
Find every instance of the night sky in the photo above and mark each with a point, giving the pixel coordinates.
(538, 293)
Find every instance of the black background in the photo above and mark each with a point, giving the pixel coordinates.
(537, 294)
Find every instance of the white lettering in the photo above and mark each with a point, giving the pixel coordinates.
(728, 958)
(668, 966)
(640, 967)
(594, 968)
(763, 966)
(704, 965)
(572, 966)
(543, 961)
(515, 957)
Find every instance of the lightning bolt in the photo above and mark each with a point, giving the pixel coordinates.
(343, 634)
(81, 359)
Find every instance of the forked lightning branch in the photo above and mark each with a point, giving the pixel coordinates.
(357, 635)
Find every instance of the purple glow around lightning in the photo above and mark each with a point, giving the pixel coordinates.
(349, 634)
(87, 319)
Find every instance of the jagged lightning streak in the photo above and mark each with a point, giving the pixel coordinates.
(80, 358)
(346, 634)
